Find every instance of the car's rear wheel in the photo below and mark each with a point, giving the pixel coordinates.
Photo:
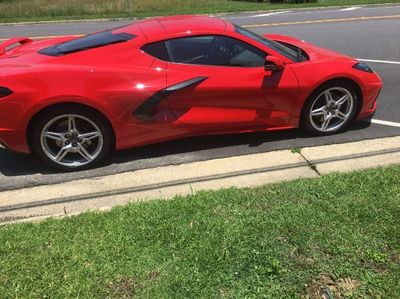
(72, 138)
(330, 109)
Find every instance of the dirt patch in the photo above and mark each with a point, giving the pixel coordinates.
(123, 288)
(395, 258)
(153, 275)
(325, 287)
(303, 261)
(347, 285)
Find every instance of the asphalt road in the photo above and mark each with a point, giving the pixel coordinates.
(367, 33)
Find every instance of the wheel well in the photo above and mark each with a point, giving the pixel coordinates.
(342, 80)
(47, 109)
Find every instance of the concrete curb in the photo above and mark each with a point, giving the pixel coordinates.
(103, 193)
(215, 14)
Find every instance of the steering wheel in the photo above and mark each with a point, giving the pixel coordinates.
(211, 52)
(220, 52)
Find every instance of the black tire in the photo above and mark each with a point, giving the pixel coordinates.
(306, 122)
(103, 148)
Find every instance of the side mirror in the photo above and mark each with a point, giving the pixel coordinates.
(273, 63)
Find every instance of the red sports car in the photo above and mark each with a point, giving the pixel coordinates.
(72, 100)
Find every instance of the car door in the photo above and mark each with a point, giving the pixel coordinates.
(219, 82)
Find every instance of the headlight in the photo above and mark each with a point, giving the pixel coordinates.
(4, 91)
(363, 67)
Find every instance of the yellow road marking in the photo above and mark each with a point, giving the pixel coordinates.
(272, 24)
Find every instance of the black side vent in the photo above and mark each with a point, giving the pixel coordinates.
(4, 91)
(87, 42)
(144, 111)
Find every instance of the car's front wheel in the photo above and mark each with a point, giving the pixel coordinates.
(330, 109)
(71, 138)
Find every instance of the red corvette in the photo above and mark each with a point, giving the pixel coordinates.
(72, 100)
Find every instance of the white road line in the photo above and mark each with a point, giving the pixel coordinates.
(332, 10)
(270, 14)
(350, 8)
(385, 123)
(379, 61)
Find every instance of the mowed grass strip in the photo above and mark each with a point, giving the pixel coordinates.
(35, 10)
(337, 234)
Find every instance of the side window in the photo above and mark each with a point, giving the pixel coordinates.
(214, 50)
(158, 50)
(191, 50)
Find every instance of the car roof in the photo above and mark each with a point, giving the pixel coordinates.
(176, 26)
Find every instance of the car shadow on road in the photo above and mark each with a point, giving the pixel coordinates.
(12, 164)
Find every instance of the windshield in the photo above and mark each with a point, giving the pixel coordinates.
(278, 47)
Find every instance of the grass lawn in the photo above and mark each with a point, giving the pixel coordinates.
(34, 10)
(339, 233)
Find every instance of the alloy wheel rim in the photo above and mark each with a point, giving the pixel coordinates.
(331, 109)
(71, 140)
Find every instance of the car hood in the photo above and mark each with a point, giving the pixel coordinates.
(314, 52)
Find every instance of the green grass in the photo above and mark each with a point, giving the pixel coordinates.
(286, 240)
(34, 10)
